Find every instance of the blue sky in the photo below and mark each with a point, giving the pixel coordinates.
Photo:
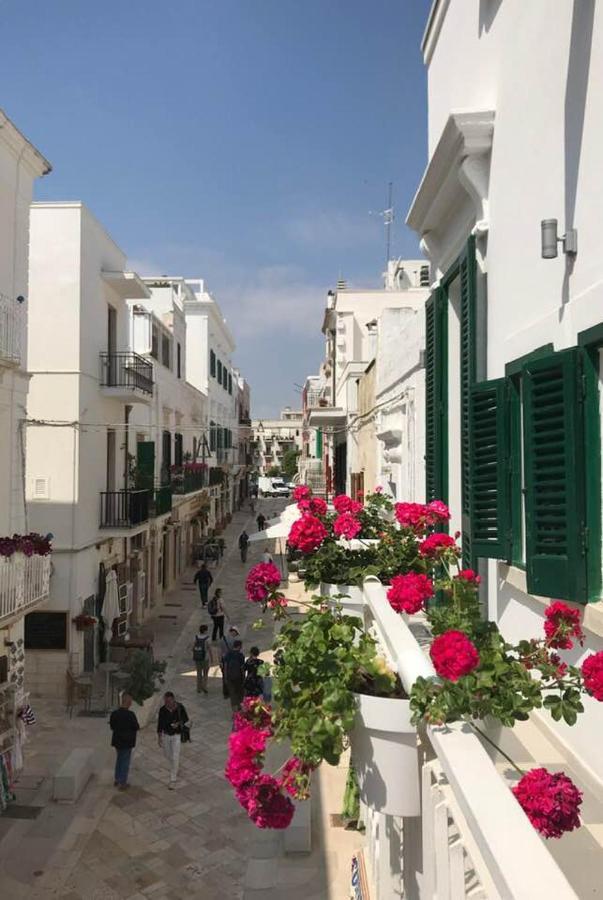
(243, 141)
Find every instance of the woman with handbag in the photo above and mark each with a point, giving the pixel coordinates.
(173, 729)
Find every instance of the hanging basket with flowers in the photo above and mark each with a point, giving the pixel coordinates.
(82, 622)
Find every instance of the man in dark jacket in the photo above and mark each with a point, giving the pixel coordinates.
(124, 725)
(233, 666)
(203, 578)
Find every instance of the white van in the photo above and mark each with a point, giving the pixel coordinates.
(272, 487)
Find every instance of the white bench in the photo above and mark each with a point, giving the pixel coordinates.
(73, 776)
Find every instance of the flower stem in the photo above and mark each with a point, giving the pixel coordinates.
(496, 747)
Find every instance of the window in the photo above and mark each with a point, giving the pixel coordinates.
(166, 351)
(166, 455)
(178, 449)
(212, 436)
(178, 361)
(155, 341)
(529, 471)
(212, 363)
(229, 383)
(219, 372)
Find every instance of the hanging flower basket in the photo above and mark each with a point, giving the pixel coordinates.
(83, 622)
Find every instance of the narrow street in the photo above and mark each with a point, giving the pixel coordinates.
(148, 841)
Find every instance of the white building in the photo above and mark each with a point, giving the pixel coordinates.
(273, 438)
(514, 332)
(85, 383)
(362, 326)
(24, 581)
(209, 348)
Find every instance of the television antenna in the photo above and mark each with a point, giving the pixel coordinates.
(388, 217)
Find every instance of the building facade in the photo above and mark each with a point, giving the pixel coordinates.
(24, 579)
(514, 328)
(273, 438)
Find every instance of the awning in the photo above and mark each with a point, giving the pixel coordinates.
(326, 415)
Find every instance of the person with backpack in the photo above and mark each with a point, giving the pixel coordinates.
(233, 666)
(217, 613)
(204, 579)
(243, 545)
(201, 658)
(254, 682)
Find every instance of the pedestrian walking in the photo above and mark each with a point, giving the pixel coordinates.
(124, 726)
(216, 610)
(172, 731)
(204, 579)
(201, 658)
(233, 666)
(252, 505)
(254, 682)
(243, 545)
(266, 556)
(261, 521)
(228, 640)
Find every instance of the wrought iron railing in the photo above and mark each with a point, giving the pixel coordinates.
(162, 500)
(126, 370)
(124, 509)
(185, 481)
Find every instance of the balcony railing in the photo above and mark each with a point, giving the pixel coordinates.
(316, 399)
(244, 421)
(216, 476)
(124, 509)
(471, 839)
(185, 481)
(162, 500)
(12, 327)
(24, 584)
(128, 371)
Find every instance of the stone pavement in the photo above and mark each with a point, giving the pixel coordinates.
(148, 841)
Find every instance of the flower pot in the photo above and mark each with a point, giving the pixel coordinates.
(145, 711)
(385, 757)
(352, 604)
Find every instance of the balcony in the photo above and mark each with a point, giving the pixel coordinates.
(187, 480)
(12, 328)
(126, 375)
(244, 421)
(162, 500)
(124, 509)
(24, 585)
(316, 398)
(216, 476)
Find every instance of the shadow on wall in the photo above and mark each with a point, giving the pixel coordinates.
(487, 14)
(576, 89)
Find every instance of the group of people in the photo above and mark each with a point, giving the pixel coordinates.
(241, 678)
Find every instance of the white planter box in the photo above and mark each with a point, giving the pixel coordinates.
(352, 604)
(385, 757)
(144, 713)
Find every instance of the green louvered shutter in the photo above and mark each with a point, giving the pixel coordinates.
(556, 535)
(467, 276)
(436, 377)
(145, 465)
(489, 484)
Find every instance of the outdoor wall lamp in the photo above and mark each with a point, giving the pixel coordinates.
(549, 239)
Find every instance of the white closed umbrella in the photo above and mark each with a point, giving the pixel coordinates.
(110, 610)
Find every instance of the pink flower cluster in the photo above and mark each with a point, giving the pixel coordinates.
(420, 516)
(314, 505)
(344, 504)
(32, 544)
(347, 525)
(260, 795)
(435, 545)
(307, 533)
(296, 778)
(408, 593)
(261, 581)
(551, 801)
(254, 711)
(453, 655)
(468, 576)
(562, 623)
(301, 492)
(592, 673)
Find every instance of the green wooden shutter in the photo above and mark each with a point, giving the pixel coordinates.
(489, 482)
(554, 476)
(436, 376)
(467, 276)
(145, 465)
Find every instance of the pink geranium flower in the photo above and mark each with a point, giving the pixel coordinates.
(408, 593)
(307, 533)
(562, 623)
(347, 525)
(551, 801)
(592, 673)
(453, 655)
(261, 580)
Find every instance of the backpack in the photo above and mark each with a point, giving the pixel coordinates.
(199, 649)
(233, 666)
(212, 607)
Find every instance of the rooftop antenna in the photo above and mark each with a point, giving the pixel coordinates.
(388, 220)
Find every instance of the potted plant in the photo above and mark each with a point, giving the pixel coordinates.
(83, 621)
(145, 676)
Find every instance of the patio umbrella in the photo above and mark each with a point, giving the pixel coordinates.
(280, 526)
(110, 609)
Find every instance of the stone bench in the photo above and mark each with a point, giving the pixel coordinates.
(73, 776)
